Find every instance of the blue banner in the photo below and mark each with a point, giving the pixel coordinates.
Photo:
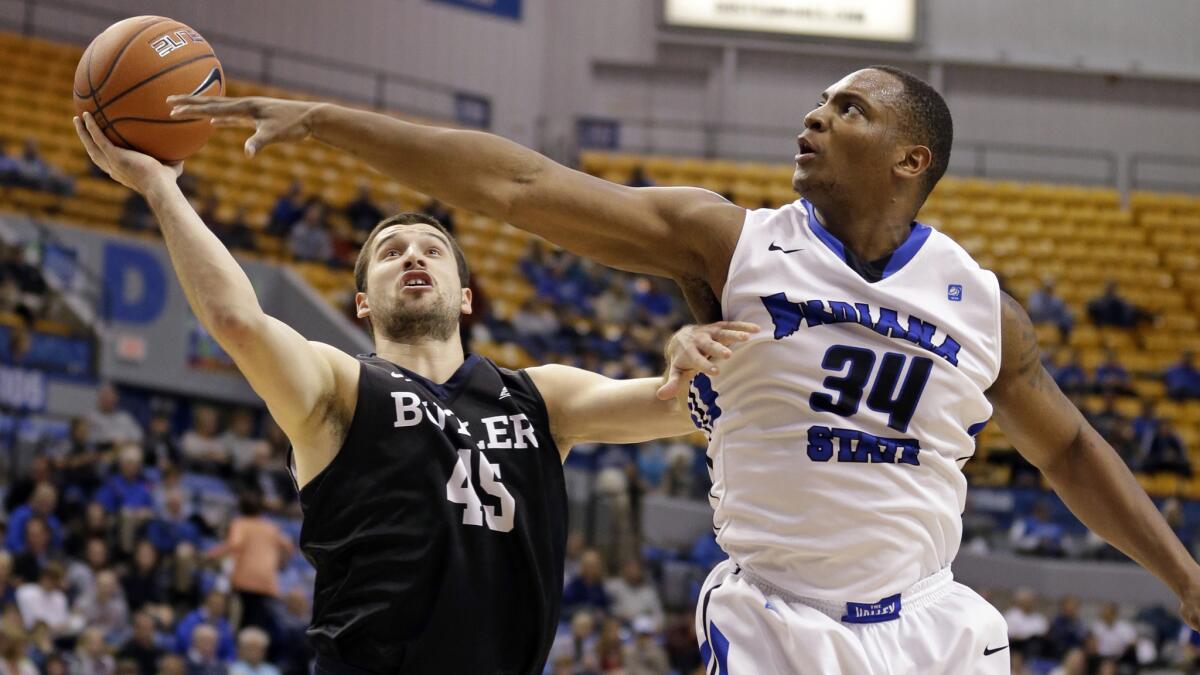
(509, 9)
(596, 133)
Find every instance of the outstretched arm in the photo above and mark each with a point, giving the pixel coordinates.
(673, 232)
(586, 407)
(306, 385)
(1081, 466)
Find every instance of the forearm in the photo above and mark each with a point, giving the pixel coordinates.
(216, 287)
(473, 170)
(1100, 490)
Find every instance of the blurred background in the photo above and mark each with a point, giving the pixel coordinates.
(129, 443)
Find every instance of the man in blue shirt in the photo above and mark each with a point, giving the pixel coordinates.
(1183, 378)
(42, 505)
(127, 491)
(211, 613)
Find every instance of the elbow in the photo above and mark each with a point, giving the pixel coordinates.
(232, 327)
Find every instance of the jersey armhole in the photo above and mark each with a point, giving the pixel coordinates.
(998, 312)
(543, 412)
(734, 260)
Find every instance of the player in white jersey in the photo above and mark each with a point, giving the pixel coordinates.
(839, 431)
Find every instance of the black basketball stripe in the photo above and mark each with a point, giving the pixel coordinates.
(121, 52)
(126, 141)
(151, 120)
(155, 76)
(712, 664)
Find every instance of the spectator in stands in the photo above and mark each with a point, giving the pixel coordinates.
(579, 643)
(95, 524)
(638, 178)
(1073, 663)
(680, 642)
(1067, 372)
(1111, 376)
(293, 646)
(287, 211)
(144, 646)
(643, 655)
(46, 601)
(34, 172)
(204, 450)
(1113, 426)
(1066, 631)
(81, 574)
(268, 475)
(1167, 452)
(633, 595)
(41, 644)
(172, 525)
(8, 580)
(38, 551)
(252, 654)
(78, 460)
(184, 577)
(1045, 306)
(1183, 379)
(680, 477)
(1143, 429)
(211, 614)
(1110, 309)
(143, 581)
(136, 214)
(1027, 626)
(586, 591)
(435, 209)
(109, 424)
(8, 166)
(240, 442)
(13, 659)
(160, 449)
(21, 489)
(609, 652)
(535, 325)
(172, 664)
(1115, 637)
(309, 239)
(105, 609)
(362, 212)
(258, 548)
(1037, 533)
(127, 492)
(41, 506)
(203, 654)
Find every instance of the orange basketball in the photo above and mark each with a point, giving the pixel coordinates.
(129, 70)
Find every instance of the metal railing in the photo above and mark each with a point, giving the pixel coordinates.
(384, 85)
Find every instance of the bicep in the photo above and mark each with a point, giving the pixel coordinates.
(1039, 420)
(666, 231)
(299, 380)
(586, 407)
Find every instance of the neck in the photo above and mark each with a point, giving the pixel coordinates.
(432, 359)
(871, 228)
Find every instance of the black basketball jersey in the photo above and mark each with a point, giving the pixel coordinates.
(438, 531)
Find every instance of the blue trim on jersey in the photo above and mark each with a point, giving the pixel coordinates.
(823, 234)
(900, 257)
(720, 647)
(974, 429)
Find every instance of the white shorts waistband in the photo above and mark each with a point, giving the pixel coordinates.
(923, 593)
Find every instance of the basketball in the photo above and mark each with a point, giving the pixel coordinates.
(126, 75)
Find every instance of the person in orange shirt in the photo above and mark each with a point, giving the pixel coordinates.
(258, 548)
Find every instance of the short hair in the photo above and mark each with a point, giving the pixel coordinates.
(926, 119)
(253, 634)
(365, 253)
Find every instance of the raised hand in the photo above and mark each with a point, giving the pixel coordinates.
(135, 170)
(274, 120)
(696, 349)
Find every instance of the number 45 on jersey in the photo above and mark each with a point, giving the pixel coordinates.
(460, 490)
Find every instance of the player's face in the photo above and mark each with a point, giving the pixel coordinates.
(848, 143)
(413, 288)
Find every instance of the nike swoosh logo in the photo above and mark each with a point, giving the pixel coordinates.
(776, 247)
(214, 77)
(989, 652)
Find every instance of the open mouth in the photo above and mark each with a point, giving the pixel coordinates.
(806, 149)
(417, 279)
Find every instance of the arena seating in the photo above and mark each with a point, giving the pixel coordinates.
(1023, 231)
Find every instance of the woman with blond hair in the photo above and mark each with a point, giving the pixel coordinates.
(12, 652)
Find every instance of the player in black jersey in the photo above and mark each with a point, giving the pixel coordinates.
(431, 484)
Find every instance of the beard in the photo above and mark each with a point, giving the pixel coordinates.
(403, 323)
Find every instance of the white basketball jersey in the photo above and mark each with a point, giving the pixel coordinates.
(838, 432)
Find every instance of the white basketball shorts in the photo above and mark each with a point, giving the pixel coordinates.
(938, 627)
